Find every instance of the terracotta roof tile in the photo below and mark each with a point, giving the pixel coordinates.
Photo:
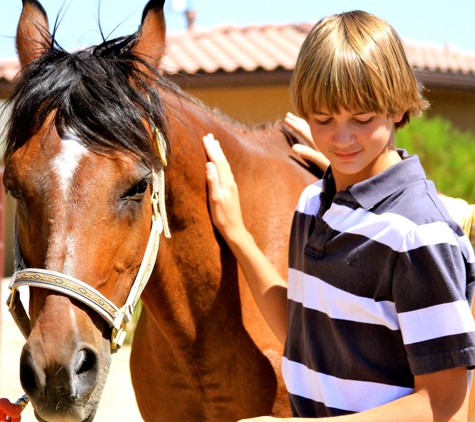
(270, 47)
(229, 49)
(437, 58)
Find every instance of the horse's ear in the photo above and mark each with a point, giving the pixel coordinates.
(150, 44)
(32, 37)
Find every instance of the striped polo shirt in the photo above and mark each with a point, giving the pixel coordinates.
(380, 285)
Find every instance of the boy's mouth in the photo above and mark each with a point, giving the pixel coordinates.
(346, 156)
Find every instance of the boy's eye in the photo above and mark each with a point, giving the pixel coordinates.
(364, 121)
(322, 122)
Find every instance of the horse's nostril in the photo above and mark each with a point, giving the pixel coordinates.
(31, 377)
(85, 373)
(86, 361)
(27, 376)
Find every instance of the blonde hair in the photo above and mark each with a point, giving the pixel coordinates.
(355, 61)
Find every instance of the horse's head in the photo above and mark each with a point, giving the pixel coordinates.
(82, 164)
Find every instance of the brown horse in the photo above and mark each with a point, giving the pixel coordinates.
(80, 162)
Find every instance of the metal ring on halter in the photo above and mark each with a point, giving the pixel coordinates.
(70, 286)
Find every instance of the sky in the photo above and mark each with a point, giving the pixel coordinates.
(435, 21)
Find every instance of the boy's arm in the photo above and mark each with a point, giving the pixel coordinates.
(267, 286)
(438, 397)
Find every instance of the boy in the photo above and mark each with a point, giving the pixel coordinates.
(376, 317)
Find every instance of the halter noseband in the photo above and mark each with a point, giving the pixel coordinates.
(117, 318)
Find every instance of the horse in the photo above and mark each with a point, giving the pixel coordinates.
(94, 138)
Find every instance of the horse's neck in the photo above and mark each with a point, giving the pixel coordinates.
(195, 259)
(199, 315)
(260, 159)
(195, 267)
(251, 152)
(240, 142)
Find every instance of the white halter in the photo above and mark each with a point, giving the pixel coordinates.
(70, 286)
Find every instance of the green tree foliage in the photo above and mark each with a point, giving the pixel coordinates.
(446, 153)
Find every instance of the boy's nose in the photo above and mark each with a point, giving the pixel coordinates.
(343, 136)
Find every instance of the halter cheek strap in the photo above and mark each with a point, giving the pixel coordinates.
(117, 318)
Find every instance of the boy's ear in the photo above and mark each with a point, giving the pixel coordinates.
(398, 117)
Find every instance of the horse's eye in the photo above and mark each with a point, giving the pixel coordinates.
(136, 192)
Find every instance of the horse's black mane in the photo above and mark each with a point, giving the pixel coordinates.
(103, 94)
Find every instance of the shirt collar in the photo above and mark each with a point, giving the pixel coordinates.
(372, 191)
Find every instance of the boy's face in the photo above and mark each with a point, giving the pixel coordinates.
(358, 145)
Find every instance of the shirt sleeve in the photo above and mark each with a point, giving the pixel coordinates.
(432, 290)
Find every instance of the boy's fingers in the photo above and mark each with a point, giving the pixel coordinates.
(294, 120)
(217, 157)
(212, 177)
(290, 122)
(300, 129)
(291, 118)
(312, 155)
(209, 145)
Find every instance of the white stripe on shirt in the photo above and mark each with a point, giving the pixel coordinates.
(310, 199)
(316, 294)
(393, 230)
(358, 395)
(345, 219)
(436, 321)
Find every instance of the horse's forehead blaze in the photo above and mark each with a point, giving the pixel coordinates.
(62, 161)
(66, 163)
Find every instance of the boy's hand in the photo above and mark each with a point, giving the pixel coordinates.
(223, 194)
(300, 129)
(306, 149)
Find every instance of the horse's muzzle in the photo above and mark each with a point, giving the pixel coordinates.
(61, 389)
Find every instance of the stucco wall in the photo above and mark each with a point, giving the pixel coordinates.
(256, 104)
(457, 106)
(247, 104)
